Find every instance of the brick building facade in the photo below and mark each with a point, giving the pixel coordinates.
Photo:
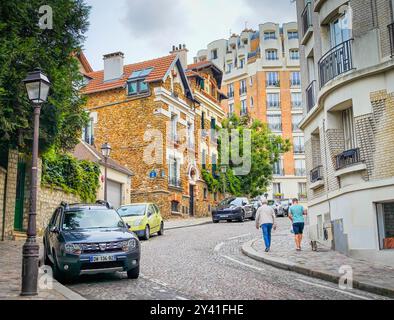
(347, 73)
(149, 113)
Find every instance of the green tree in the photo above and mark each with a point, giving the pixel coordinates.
(23, 47)
(266, 149)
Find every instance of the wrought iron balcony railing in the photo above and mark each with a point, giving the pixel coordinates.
(300, 172)
(316, 174)
(298, 149)
(311, 96)
(391, 35)
(335, 62)
(347, 158)
(306, 18)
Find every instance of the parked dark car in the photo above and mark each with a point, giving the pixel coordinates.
(285, 204)
(89, 239)
(234, 208)
(256, 203)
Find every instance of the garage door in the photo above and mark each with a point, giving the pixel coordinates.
(114, 193)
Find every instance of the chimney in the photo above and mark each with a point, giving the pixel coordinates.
(181, 51)
(113, 66)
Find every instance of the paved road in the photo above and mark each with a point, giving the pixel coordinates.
(205, 262)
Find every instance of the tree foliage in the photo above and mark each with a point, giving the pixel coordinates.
(266, 148)
(80, 177)
(23, 47)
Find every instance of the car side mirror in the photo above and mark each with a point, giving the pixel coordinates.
(244, 203)
(127, 226)
(54, 229)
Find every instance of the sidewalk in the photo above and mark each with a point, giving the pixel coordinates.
(323, 264)
(10, 277)
(185, 222)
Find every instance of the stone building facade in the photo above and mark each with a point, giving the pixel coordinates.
(347, 73)
(262, 79)
(149, 113)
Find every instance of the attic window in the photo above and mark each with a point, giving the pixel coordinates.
(137, 87)
(141, 73)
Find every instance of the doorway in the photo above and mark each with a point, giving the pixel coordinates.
(191, 200)
(20, 196)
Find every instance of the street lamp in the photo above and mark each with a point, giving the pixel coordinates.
(105, 151)
(37, 87)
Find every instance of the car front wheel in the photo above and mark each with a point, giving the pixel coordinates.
(147, 233)
(133, 273)
(242, 218)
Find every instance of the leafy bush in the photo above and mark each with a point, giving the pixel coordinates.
(75, 176)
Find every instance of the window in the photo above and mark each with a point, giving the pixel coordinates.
(241, 62)
(204, 159)
(276, 188)
(251, 102)
(251, 78)
(190, 134)
(87, 133)
(205, 193)
(230, 90)
(213, 128)
(272, 79)
(173, 129)
(295, 79)
(174, 206)
(137, 87)
(271, 54)
(245, 41)
(296, 100)
(292, 35)
(243, 107)
(301, 189)
(299, 170)
(203, 120)
(214, 54)
(214, 165)
(340, 29)
(229, 67)
(174, 172)
(277, 169)
(242, 87)
(348, 129)
(275, 122)
(273, 100)
(269, 35)
(296, 119)
(298, 145)
(294, 54)
(231, 108)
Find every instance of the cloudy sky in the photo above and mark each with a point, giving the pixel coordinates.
(145, 29)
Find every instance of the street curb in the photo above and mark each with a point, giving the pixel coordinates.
(289, 266)
(187, 226)
(66, 292)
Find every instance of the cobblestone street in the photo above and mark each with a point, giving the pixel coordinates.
(206, 262)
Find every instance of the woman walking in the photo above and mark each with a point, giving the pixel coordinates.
(265, 219)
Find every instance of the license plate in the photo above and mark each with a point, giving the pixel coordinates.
(224, 215)
(102, 258)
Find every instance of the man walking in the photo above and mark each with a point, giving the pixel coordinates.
(296, 215)
(265, 219)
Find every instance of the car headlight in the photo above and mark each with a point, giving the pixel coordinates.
(129, 245)
(136, 223)
(73, 248)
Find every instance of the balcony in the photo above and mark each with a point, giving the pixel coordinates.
(273, 83)
(347, 158)
(316, 174)
(311, 96)
(242, 91)
(306, 22)
(391, 35)
(300, 172)
(231, 94)
(296, 105)
(295, 83)
(273, 105)
(298, 149)
(174, 182)
(336, 62)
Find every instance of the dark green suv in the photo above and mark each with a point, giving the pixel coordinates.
(90, 239)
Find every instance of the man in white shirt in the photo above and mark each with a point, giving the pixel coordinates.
(265, 219)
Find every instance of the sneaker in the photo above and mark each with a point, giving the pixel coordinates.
(267, 249)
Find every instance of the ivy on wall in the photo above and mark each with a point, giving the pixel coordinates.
(80, 177)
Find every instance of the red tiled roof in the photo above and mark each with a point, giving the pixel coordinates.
(160, 67)
(199, 65)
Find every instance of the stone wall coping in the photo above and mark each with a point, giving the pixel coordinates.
(316, 184)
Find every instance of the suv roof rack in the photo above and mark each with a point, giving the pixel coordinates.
(105, 203)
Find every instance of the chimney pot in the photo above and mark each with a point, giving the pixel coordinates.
(113, 65)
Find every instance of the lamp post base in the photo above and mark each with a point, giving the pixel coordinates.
(30, 267)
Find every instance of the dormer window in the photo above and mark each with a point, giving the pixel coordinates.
(136, 83)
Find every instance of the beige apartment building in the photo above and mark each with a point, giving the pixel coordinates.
(346, 51)
(262, 78)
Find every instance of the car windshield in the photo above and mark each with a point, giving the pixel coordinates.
(92, 219)
(232, 201)
(131, 211)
